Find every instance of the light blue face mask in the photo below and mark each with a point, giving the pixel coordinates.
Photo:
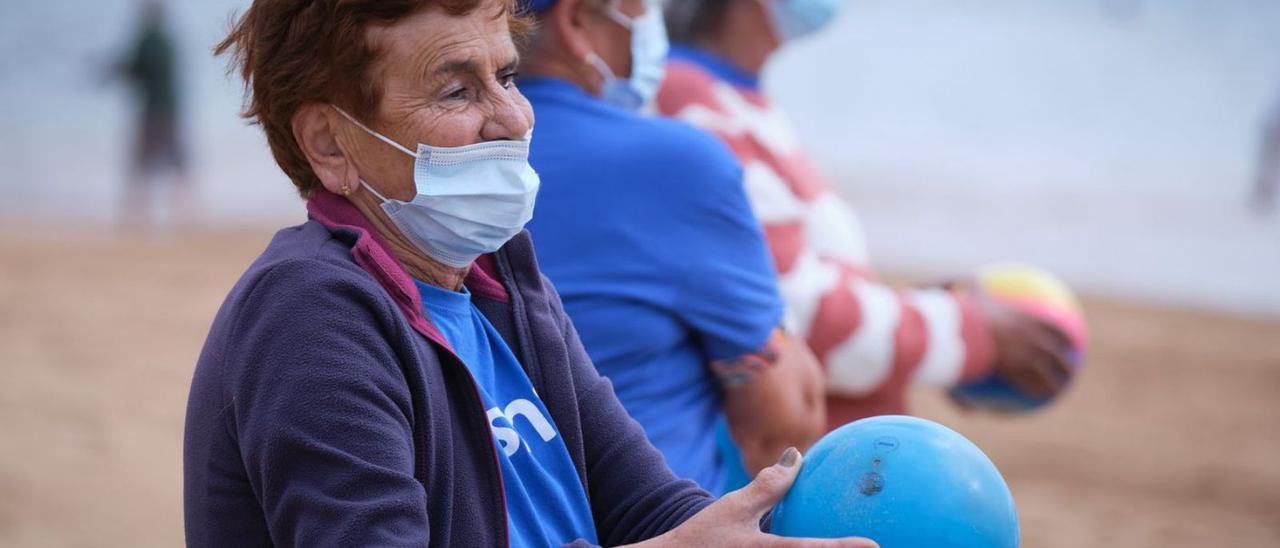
(649, 47)
(798, 18)
(470, 199)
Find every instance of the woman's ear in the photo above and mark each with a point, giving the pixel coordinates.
(315, 128)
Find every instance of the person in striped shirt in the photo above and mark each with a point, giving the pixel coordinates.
(875, 341)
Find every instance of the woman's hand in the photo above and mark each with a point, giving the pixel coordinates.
(734, 520)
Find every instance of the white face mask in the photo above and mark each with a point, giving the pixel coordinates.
(799, 18)
(649, 48)
(471, 199)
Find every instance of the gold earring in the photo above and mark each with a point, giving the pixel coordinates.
(346, 190)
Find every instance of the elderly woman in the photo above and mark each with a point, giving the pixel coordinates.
(874, 341)
(396, 371)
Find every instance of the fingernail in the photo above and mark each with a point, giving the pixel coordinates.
(789, 457)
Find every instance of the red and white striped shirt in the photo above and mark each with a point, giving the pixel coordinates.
(875, 341)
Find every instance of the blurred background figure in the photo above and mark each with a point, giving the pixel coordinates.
(875, 342)
(1268, 177)
(1123, 11)
(159, 155)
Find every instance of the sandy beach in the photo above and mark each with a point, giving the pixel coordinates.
(1169, 439)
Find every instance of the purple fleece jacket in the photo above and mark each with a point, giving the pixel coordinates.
(327, 410)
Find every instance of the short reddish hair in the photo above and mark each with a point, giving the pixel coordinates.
(291, 52)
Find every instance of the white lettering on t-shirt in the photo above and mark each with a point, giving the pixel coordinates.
(508, 439)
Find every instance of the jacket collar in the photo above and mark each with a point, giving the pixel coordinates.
(373, 255)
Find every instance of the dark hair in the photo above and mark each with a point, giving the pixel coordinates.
(291, 52)
(689, 20)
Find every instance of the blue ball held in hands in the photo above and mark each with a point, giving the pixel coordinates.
(903, 482)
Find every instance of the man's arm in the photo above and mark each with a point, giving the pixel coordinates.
(729, 299)
(634, 495)
(773, 399)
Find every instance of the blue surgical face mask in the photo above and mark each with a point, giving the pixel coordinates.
(648, 59)
(470, 199)
(798, 18)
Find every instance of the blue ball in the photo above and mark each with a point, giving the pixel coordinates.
(903, 482)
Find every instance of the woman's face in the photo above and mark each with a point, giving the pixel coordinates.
(446, 81)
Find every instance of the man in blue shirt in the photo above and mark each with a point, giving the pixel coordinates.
(644, 226)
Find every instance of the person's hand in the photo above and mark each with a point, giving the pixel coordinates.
(780, 406)
(734, 520)
(1031, 354)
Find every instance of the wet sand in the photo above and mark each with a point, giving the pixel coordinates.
(1171, 438)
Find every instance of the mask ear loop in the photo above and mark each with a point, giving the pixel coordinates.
(380, 136)
(626, 22)
(620, 18)
(375, 192)
(602, 67)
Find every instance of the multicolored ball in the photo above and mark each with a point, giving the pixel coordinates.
(1043, 296)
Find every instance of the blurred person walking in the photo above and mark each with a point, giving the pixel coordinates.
(1267, 177)
(1123, 11)
(150, 68)
(874, 341)
(644, 226)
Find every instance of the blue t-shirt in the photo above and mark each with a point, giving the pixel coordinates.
(546, 505)
(643, 224)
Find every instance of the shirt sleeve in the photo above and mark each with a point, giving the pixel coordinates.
(322, 414)
(877, 341)
(728, 292)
